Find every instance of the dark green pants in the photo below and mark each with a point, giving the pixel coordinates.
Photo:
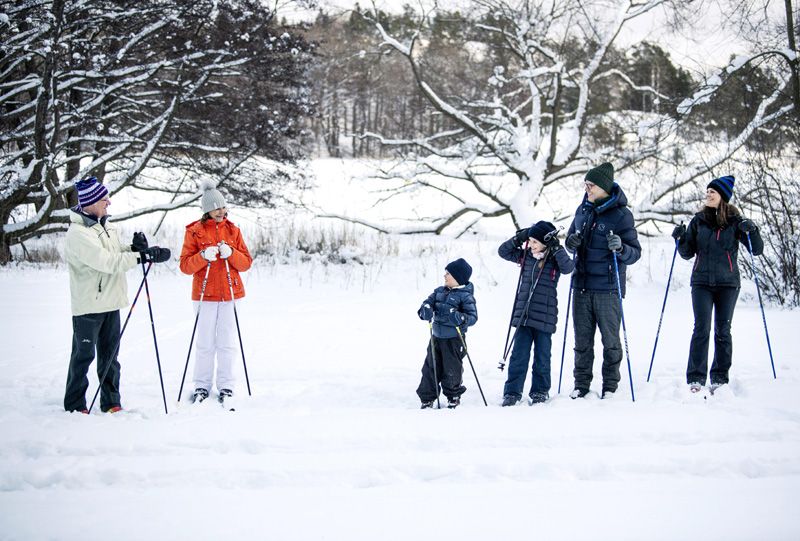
(93, 333)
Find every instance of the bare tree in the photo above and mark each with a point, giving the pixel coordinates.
(118, 88)
(544, 115)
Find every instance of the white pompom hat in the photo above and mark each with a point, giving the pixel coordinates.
(211, 199)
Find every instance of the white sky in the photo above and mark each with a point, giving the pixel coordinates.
(697, 49)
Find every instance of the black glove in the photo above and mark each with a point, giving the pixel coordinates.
(614, 242)
(139, 242)
(746, 226)
(678, 232)
(553, 244)
(457, 318)
(155, 254)
(520, 237)
(574, 241)
(425, 312)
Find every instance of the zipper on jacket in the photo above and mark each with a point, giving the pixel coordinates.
(730, 263)
(718, 232)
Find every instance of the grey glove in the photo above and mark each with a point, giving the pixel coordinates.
(574, 241)
(614, 242)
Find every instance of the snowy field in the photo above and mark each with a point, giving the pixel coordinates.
(332, 445)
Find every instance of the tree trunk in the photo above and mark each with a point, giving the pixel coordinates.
(795, 62)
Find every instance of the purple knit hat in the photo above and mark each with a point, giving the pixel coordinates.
(90, 191)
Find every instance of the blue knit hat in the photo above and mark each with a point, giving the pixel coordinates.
(460, 270)
(723, 186)
(90, 191)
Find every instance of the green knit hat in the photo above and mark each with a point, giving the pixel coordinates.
(602, 176)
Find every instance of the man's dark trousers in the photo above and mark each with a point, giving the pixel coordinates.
(591, 310)
(90, 333)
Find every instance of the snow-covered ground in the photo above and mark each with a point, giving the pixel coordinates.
(332, 444)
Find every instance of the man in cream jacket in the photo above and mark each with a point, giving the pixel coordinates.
(97, 264)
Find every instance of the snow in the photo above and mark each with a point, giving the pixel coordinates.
(332, 444)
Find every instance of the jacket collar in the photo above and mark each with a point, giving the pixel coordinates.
(89, 220)
(616, 198)
(466, 287)
(200, 225)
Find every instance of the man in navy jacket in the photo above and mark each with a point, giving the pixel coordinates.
(602, 225)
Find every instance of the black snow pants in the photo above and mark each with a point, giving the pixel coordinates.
(449, 370)
(722, 300)
(90, 333)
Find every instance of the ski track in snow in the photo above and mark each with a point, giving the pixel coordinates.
(332, 444)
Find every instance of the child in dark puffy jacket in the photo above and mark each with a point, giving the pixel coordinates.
(535, 313)
(448, 308)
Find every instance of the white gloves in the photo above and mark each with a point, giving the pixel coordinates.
(225, 251)
(210, 253)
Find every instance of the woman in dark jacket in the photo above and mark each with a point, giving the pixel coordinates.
(713, 238)
(535, 308)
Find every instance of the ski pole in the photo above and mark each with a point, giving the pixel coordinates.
(464, 343)
(238, 331)
(663, 306)
(155, 341)
(116, 348)
(624, 330)
(506, 348)
(566, 323)
(761, 302)
(194, 329)
(566, 320)
(433, 360)
(525, 315)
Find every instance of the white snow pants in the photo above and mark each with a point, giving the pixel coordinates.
(216, 335)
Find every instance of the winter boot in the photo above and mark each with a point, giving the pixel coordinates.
(578, 393)
(453, 402)
(607, 395)
(510, 400)
(426, 405)
(538, 398)
(199, 395)
(695, 387)
(226, 398)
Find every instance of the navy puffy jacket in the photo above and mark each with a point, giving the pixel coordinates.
(446, 302)
(594, 266)
(542, 312)
(716, 250)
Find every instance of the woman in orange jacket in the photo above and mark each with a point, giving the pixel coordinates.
(208, 245)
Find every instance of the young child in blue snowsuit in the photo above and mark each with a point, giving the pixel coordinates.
(449, 307)
(535, 313)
